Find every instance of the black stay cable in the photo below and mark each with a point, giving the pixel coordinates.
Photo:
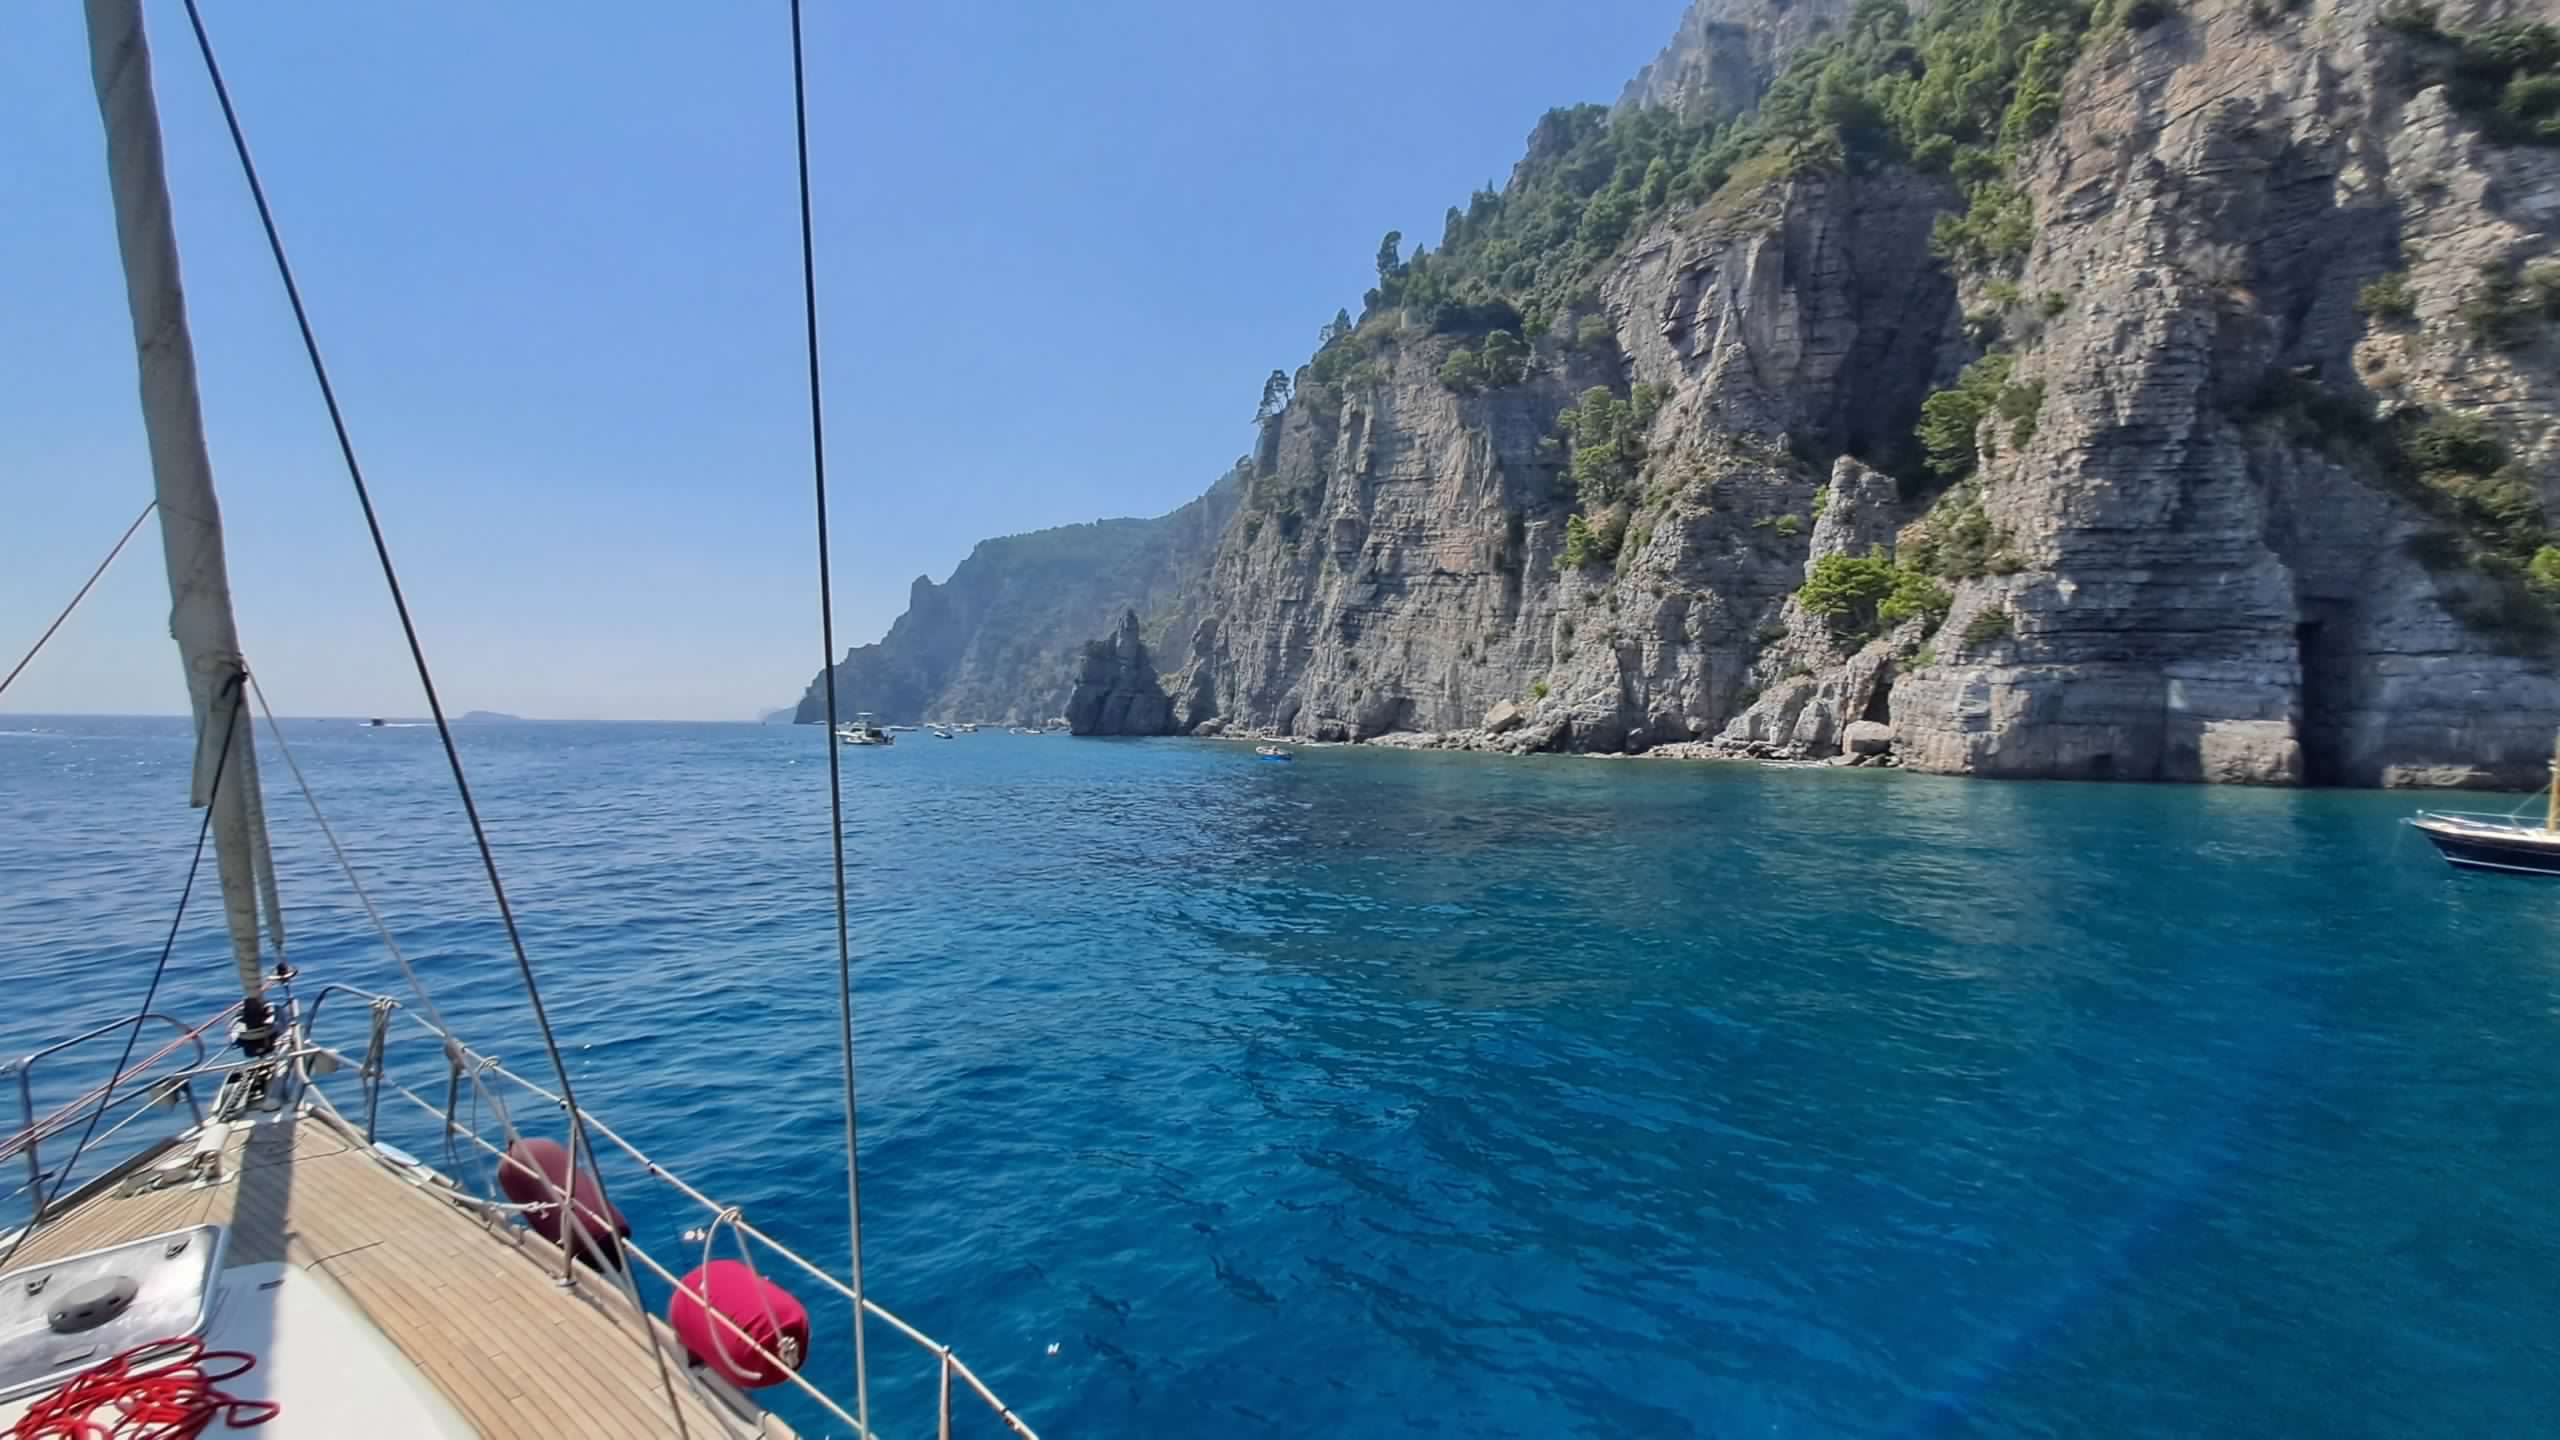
(382, 552)
(835, 760)
(234, 703)
(582, 1149)
(118, 549)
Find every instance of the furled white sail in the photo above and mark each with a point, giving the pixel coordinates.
(190, 519)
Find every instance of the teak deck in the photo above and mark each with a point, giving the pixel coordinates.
(476, 1306)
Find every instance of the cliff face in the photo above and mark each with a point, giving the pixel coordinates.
(2213, 557)
(1818, 683)
(2160, 389)
(2212, 589)
(1726, 52)
(992, 642)
(1422, 585)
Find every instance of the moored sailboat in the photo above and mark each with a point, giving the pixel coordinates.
(2476, 841)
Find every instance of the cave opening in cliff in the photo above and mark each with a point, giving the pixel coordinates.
(2319, 732)
(1880, 704)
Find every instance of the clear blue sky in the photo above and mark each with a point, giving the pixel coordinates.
(553, 254)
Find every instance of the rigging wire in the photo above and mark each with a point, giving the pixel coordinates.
(364, 897)
(835, 761)
(329, 833)
(580, 1146)
(106, 1093)
(112, 553)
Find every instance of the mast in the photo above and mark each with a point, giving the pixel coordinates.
(2551, 807)
(190, 520)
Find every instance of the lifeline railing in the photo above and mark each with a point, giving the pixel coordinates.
(32, 1132)
(464, 1064)
(2511, 819)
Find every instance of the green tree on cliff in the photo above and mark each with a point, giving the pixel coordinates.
(1275, 395)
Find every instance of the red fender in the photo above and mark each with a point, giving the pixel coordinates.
(522, 1174)
(764, 1310)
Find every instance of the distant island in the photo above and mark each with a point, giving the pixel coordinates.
(489, 715)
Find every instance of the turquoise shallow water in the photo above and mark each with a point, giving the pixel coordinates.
(1422, 1094)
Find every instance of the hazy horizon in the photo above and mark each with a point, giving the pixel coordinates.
(1058, 254)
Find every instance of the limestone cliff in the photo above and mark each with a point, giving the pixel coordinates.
(992, 642)
(2214, 531)
(2154, 389)
(1816, 682)
(1421, 579)
(1726, 53)
(2219, 580)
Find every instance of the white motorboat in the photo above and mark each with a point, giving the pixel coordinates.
(863, 729)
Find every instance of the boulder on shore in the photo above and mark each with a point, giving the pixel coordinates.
(1505, 716)
(1866, 737)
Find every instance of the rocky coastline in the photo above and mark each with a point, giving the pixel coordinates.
(2177, 398)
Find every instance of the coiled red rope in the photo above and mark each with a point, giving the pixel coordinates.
(159, 1391)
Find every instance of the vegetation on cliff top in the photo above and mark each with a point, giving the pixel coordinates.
(1958, 92)
(1608, 441)
(1504, 360)
(1856, 595)
(2511, 310)
(2388, 298)
(1988, 627)
(1607, 436)
(1956, 539)
(2505, 76)
(2456, 469)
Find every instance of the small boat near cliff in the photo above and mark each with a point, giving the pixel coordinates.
(863, 729)
(1274, 752)
(2475, 841)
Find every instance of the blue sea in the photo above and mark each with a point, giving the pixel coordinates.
(1391, 1094)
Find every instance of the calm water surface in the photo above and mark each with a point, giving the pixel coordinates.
(1441, 1095)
